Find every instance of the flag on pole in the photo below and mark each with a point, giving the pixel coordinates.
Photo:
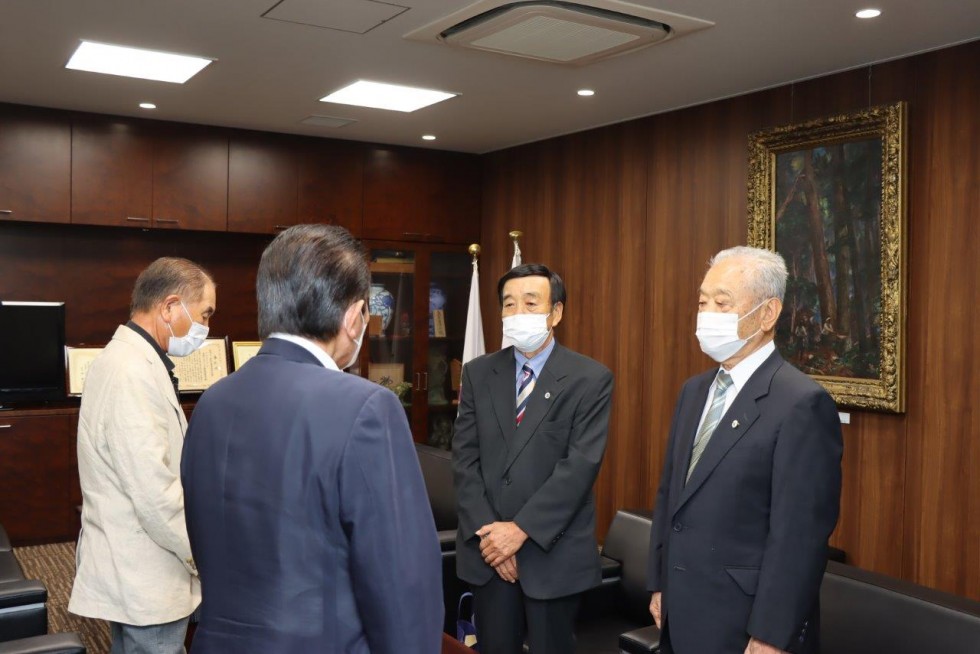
(473, 344)
(515, 262)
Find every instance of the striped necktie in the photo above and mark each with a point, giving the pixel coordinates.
(711, 420)
(524, 392)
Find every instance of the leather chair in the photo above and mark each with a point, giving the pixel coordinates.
(862, 611)
(48, 644)
(22, 602)
(437, 471)
(621, 603)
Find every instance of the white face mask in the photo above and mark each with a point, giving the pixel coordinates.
(718, 333)
(188, 344)
(527, 331)
(358, 342)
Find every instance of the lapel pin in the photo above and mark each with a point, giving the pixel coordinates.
(547, 396)
(734, 424)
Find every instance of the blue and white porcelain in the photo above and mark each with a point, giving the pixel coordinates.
(381, 303)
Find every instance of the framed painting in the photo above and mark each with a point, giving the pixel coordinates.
(829, 195)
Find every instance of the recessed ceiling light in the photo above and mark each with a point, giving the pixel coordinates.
(386, 96)
(135, 62)
(147, 105)
(428, 137)
(586, 92)
(868, 13)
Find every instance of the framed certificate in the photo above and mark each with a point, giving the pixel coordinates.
(242, 351)
(78, 360)
(199, 370)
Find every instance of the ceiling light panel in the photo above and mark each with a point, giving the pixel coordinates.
(135, 62)
(386, 96)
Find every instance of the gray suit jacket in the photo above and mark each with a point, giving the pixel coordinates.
(740, 549)
(539, 475)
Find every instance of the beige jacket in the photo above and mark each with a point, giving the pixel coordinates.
(134, 562)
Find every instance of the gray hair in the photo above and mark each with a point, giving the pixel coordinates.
(308, 276)
(168, 276)
(767, 268)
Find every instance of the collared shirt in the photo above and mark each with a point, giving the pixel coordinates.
(168, 364)
(310, 347)
(741, 373)
(537, 363)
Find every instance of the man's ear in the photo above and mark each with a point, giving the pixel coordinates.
(352, 318)
(169, 307)
(770, 314)
(557, 311)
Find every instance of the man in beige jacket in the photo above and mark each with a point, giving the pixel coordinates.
(134, 562)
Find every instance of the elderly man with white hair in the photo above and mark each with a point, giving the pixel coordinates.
(750, 490)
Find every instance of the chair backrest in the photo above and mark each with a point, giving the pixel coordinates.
(628, 542)
(862, 611)
(437, 470)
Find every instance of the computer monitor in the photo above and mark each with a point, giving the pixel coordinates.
(32, 352)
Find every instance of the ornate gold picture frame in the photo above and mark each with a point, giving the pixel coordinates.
(829, 195)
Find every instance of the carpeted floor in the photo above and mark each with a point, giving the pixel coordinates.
(55, 566)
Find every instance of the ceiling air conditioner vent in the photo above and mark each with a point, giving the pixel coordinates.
(558, 32)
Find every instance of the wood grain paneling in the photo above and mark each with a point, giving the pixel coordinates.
(633, 254)
(35, 165)
(263, 183)
(111, 172)
(190, 178)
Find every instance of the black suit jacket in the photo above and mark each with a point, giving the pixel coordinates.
(539, 475)
(308, 515)
(740, 550)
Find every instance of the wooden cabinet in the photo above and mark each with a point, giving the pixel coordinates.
(331, 177)
(140, 174)
(421, 195)
(35, 160)
(36, 478)
(190, 179)
(408, 344)
(111, 172)
(262, 183)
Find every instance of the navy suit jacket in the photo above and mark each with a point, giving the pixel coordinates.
(539, 475)
(739, 551)
(307, 514)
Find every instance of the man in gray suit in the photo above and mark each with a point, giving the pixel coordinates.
(750, 489)
(529, 440)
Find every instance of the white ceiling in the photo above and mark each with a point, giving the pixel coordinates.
(269, 74)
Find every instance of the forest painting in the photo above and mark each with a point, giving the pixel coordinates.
(827, 229)
(829, 196)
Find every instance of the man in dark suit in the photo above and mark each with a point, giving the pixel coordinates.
(530, 437)
(306, 509)
(750, 490)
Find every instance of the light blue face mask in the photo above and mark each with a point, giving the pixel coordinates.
(183, 345)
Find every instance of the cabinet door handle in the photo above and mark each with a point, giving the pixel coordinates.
(168, 221)
(419, 235)
(6, 426)
(7, 212)
(137, 219)
(279, 228)
(425, 385)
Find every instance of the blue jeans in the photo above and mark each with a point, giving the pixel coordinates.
(151, 639)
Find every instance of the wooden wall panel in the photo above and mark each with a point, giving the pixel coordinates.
(911, 494)
(93, 269)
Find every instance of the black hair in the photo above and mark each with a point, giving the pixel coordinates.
(534, 270)
(308, 276)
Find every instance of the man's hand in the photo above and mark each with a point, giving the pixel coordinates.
(758, 647)
(500, 541)
(655, 609)
(508, 570)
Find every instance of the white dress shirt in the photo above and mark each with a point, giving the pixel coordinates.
(741, 373)
(310, 347)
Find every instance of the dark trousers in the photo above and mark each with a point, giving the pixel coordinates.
(504, 614)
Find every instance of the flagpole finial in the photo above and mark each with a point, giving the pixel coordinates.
(516, 234)
(474, 251)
